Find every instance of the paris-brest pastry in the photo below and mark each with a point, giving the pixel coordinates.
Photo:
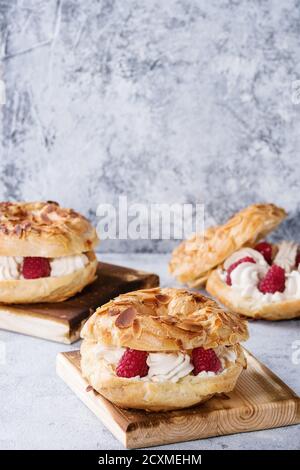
(46, 252)
(162, 349)
(246, 273)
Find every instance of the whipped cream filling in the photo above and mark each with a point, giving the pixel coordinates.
(11, 266)
(163, 367)
(168, 366)
(67, 264)
(109, 355)
(243, 253)
(286, 255)
(246, 276)
(226, 354)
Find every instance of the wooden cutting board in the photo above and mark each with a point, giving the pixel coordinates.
(63, 321)
(260, 401)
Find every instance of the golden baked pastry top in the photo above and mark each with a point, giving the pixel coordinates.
(193, 260)
(164, 319)
(43, 229)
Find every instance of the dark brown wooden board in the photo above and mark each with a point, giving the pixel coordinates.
(63, 321)
(260, 400)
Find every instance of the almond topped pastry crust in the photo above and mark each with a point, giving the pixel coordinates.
(164, 321)
(43, 229)
(194, 259)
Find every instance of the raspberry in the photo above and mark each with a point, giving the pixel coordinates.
(35, 267)
(298, 259)
(274, 280)
(133, 363)
(247, 259)
(265, 249)
(205, 360)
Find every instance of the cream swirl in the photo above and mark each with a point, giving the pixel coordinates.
(9, 267)
(168, 366)
(245, 277)
(243, 253)
(111, 355)
(286, 255)
(67, 264)
(292, 287)
(268, 298)
(226, 354)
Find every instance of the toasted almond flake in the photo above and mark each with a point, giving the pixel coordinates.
(168, 320)
(50, 207)
(189, 326)
(151, 302)
(136, 327)
(52, 203)
(113, 311)
(162, 298)
(45, 218)
(125, 319)
(18, 230)
(199, 298)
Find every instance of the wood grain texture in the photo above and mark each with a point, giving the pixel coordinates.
(260, 401)
(63, 321)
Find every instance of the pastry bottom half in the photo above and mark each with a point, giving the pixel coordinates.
(48, 289)
(250, 306)
(156, 396)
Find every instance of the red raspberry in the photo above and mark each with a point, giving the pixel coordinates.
(265, 249)
(274, 280)
(35, 267)
(298, 259)
(133, 363)
(205, 359)
(247, 259)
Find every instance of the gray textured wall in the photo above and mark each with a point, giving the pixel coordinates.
(164, 101)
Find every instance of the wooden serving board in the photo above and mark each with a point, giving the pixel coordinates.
(63, 321)
(260, 401)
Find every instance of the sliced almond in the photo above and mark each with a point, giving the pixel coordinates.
(179, 343)
(162, 298)
(199, 298)
(136, 327)
(151, 302)
(218, 322)
(113, 311)
(50, 207)
(18, 230)
(125, 319)
(189, 326)
(45, 218)
(168, 320)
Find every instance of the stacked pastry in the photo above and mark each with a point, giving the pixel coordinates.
(162, 349)
(46, 252)
(250, 276)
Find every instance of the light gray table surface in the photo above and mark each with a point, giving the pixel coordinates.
(38, 411)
